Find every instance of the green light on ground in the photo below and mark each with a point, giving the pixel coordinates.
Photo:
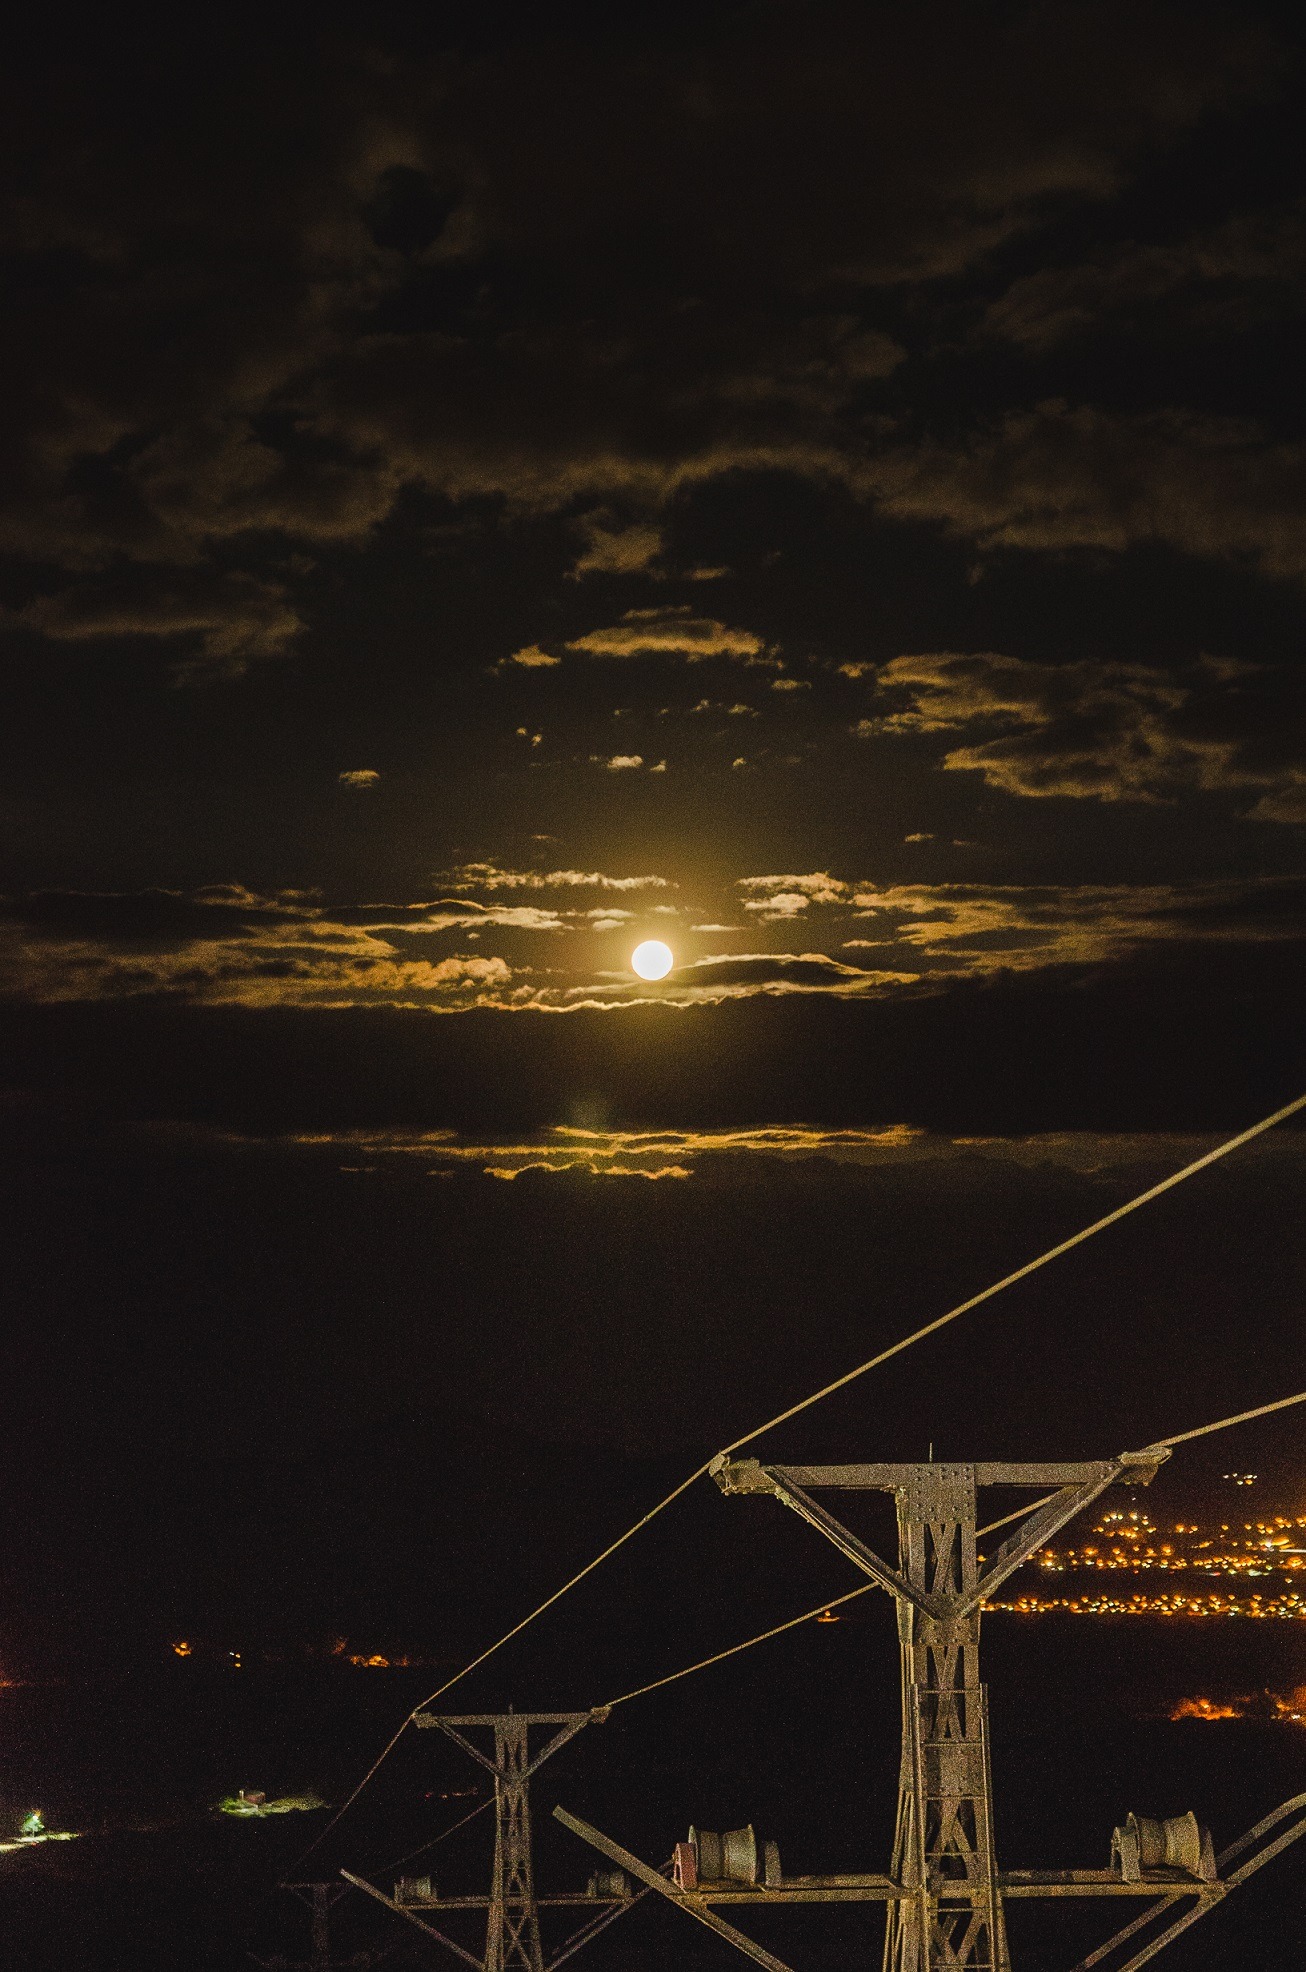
(250, 1806)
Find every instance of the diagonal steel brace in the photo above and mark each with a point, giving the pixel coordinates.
(684, 1899)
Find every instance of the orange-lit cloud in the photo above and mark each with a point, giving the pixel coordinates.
(612, 549)
(1062, 477)
(671, 633)
(224, 943)
(489, 876)
(635, 1153)
(224, 624)
(1099, 730)
(683, 1153)
(532, 658)
(778, 897)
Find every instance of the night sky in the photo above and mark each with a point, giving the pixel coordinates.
(822, 487)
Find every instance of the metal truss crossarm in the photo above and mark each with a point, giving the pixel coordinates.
(1034, 1533)
(684, 1900)
(459, 1739)
(1050, 1517)
(793, 1495)
(570, 1723)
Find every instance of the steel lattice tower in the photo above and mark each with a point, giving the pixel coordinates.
(949, 1915)
(944, 1894)
(513, 1933)
(943, 1842)
(320, 1898)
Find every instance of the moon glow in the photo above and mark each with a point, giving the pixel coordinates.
(652, 959)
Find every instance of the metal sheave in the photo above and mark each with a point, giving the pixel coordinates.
(730, 1857)
(1146, 1842)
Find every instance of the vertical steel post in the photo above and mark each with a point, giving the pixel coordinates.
(320, 1932)
(319, 1897)
(943, 1843)
(512, 1937)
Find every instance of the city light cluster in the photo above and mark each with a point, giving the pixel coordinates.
(1132, 1543)
(1278, 1606)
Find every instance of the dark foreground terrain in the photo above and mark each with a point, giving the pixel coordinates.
(797, 1737)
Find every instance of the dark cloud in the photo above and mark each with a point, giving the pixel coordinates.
(1247, 269)
(153, 918)
(1108, 731)
(241, 324)
(794, 972)
(222, 624)
(573, 1149)
(1063, 476)
(976, 927)
(226, 944)
(1188, 1035)
(611, 549)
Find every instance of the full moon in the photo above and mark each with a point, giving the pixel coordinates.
(652, 959)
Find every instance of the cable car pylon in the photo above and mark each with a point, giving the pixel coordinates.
(320, 1898)
(944, 1893)
(513, 1941)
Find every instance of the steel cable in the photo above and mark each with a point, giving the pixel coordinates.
(816, 1397)
(1021, 1513)
(435, 1841)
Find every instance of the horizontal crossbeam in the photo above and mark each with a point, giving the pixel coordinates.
(735, 1475)
(497, 1718)
(579, 1901)
(1100, 1883)
(687, 1900)
(1077, 1486)
(785, 1489)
